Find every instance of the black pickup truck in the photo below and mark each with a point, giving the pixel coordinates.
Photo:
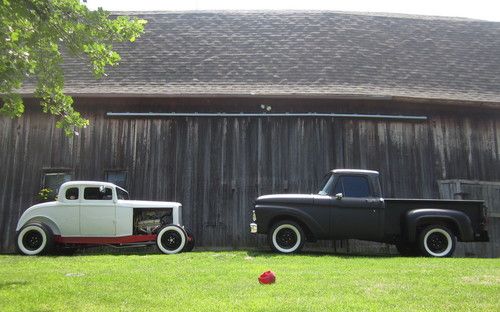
(349, 205)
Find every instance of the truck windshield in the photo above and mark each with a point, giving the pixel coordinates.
(121, 193)
(326, 185)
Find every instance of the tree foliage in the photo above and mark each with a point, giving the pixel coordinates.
(34, 32)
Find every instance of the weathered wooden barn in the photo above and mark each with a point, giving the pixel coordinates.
(213, 109)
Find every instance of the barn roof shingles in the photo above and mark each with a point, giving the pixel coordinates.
(302, 53)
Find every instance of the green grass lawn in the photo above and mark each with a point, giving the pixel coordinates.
(227, 281)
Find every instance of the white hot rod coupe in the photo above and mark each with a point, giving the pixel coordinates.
(88, 213)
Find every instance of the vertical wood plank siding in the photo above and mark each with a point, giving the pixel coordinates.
(216, 166)
(490, 193)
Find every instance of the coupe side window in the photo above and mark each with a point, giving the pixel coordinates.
(121, 193)
(353, 186)
(72, 193)
(95, 193)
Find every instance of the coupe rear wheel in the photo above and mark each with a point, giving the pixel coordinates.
(35, 239)
(437, 241)
(286, 237)
(171, 239)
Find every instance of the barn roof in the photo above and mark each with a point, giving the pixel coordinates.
(302, 54)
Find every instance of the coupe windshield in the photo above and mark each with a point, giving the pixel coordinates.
(326, 185)
(121, 193)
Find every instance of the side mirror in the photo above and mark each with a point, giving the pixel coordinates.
(339, 196)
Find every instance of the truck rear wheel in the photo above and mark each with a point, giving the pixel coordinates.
(437, 241)
(286, 237)
(34, 239)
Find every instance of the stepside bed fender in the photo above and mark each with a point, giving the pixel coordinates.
(458, 219)
(272, 213)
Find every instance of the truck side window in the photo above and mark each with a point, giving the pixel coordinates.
(353, 186)
(94, 193)
(72, 193)
(338, 188)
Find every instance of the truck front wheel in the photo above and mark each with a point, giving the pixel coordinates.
(437, 241)
(286, 237)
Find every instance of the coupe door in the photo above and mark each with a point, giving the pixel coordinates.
(67, 214)
(97, 212)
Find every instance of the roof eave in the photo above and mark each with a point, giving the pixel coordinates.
(435, 100)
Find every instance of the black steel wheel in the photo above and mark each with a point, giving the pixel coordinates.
(286, 237)
(437, 241)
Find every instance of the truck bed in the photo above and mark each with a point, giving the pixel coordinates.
(396, 209)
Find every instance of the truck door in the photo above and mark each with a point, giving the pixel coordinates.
(98, 212)
(354, 212)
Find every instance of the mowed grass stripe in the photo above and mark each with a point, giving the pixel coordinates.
(215, 281)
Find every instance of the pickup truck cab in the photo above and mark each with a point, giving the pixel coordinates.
(349, 205)
(89, 213)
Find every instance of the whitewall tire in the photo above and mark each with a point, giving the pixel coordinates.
(34, 239)
(437, 241)
(171, 239)
(286, 237)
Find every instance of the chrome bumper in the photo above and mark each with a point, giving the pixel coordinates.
(253, 228)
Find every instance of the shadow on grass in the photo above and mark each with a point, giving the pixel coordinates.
(252, 252)
(105, 251)
(12, 283)
(270, 254)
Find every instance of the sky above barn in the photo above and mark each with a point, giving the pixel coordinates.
(478, 9)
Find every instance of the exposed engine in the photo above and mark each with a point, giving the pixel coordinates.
(149, 220)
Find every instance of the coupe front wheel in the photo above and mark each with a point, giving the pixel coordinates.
(286, 237)
(437, 241)
(171, 239)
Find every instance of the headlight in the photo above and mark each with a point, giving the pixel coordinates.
(254, 216)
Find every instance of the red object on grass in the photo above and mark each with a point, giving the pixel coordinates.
(267, 277)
